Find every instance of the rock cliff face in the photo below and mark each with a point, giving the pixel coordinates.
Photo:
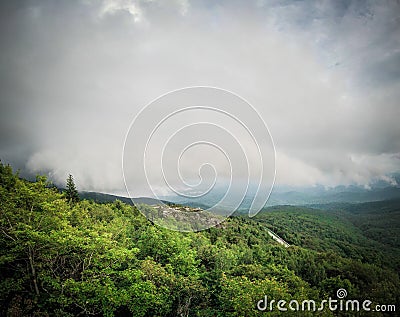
(181, 218)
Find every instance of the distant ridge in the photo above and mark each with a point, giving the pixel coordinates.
(107, 198)
(302, 196)
(318, 198)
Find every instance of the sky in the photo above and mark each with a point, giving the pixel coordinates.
(323, 75)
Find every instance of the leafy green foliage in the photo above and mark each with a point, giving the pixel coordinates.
(90, 259)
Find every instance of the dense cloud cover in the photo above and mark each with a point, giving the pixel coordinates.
(324, 75)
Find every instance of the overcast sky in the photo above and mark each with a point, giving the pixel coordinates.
(324, 75)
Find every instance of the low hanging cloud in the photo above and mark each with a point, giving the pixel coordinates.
(325, 76)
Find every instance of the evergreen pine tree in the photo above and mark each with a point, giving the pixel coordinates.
(71, 193)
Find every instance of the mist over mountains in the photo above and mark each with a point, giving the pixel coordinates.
(290, 195)
(280, 195)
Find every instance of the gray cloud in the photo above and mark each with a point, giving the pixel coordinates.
(324, 76)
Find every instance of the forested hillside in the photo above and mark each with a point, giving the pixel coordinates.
(370, 236)
(64, 258)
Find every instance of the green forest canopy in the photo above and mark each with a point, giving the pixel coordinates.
(91, 259)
